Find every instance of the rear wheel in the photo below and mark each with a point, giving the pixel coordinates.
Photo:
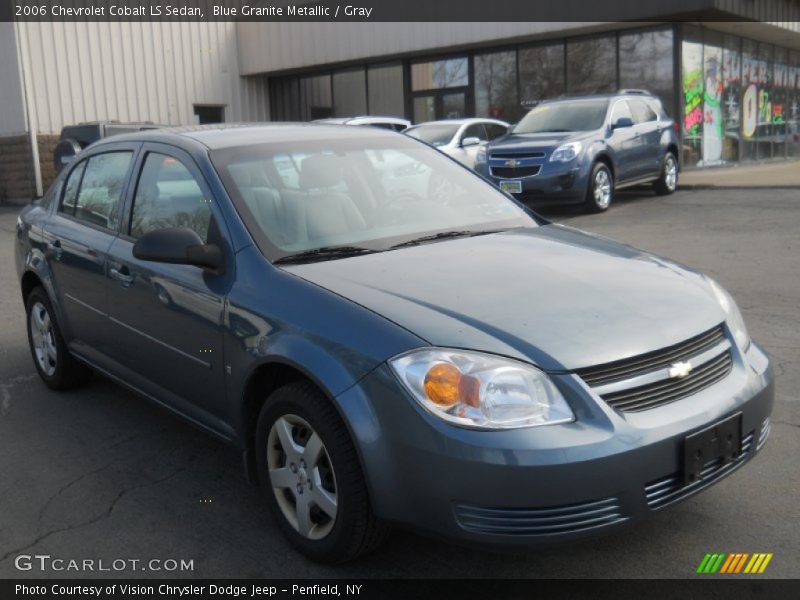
(310, 473)
(56, 366)
(668, 180)
(600, 191)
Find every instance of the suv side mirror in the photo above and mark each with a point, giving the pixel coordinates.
(179, 246)
(622, 123)
(470, 141)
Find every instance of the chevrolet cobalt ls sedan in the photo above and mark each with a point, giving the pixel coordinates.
(386, 337)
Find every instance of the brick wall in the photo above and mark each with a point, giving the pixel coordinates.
(16, 170)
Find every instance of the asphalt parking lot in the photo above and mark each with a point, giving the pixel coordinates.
(99, 473)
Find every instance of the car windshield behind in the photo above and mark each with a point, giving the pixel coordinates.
(574, 115)
(435, 135)
(369, 192)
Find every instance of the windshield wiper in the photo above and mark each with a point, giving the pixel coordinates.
(324, 253)
(444, 235)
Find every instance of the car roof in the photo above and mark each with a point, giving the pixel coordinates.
(463, 121)
(365, 120)
(227, 135)
(620, 94)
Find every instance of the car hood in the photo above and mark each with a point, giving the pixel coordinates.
(552, 295)
(518, 142)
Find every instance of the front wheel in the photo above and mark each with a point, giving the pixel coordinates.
(311, 475)
(668, 180)
(600, 191)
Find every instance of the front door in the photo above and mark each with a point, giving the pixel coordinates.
(168, 318)
(440, 104)
(625, 143)
(78, 236)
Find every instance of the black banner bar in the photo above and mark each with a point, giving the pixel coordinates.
(397, 10)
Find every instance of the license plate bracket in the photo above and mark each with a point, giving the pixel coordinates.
(511, 187)
(720, 441)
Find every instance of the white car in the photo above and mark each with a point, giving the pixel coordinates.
(459, 138)
(392, 123)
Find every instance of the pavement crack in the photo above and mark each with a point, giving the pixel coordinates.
(103, 515)
(787, 423)
(68, 485)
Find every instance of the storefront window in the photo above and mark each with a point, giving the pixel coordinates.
(496, 86)
(780, 96)
(713, 127)
(437, 74)
(731, 97)
(349, 93)
(645, 62)
(592, 65)
(793, 105)
(541, 73)
(315, 97)
(385, 85)
(692, 79)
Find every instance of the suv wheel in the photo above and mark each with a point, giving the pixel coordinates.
(310, 473)
(600, 191)
(668, 181)
(56, 366)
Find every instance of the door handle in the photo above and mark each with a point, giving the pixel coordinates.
(55, 248)
(121, 274)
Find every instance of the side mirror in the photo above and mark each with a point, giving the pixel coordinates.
(622, 123)
(470, 141)
(179, 246)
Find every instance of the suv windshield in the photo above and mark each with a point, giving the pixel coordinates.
(364, 193)
(435, 135)
(574, 115)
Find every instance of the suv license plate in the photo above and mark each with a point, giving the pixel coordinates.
(718, 442)
(511, 187)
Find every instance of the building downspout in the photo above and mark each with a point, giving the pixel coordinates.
(29, 121)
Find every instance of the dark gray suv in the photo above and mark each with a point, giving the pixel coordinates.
(388, 338)
(580, 150)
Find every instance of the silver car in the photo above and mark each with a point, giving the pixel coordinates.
(391, 123)
(459, 138)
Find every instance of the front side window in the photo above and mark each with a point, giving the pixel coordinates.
(553, 117)
(94, 188)
(621, 110)
(168, 195)
(641, 112)
(369, 192)
(475, 130)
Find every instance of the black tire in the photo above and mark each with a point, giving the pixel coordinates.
(600, 172)
(355, 530)
(68, 372)
(665, 185)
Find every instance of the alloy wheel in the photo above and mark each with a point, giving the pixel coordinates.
(670, 173)
(302, 477)
(43, 339)
(602, 188)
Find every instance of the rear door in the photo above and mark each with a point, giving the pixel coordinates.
(168, 318)
(649, 129)
(78, 236)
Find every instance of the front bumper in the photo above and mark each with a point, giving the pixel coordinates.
(555, 183)
(547, 484)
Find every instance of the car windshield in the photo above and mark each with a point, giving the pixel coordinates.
(363, 193)
(575, 115)
(435, 135)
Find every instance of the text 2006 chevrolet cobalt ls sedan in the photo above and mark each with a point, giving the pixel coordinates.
(387, 337)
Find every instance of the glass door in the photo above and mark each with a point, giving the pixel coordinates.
(432, 106)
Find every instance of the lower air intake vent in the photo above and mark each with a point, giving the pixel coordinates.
(540, 521)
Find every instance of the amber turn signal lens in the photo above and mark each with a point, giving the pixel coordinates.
(442, 384)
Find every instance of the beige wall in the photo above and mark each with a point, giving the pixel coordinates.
(134, 72)
(12, 111)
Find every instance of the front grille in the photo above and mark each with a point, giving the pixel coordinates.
(552, 520)
(517, 155)
(514, 172)
(643, 363)
(665, 391)
(666, 491)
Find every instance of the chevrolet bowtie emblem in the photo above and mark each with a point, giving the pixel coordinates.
(679, 370)
(513, 163)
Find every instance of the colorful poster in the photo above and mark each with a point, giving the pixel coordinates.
(693, 102)
(750, 110)
(713, 131)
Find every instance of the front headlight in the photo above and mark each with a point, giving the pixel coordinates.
(566, 152)
(733, 317)
(480, 157)
(481, 391)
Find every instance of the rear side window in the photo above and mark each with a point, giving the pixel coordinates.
(168, 195)
(495, 130)
(641, 112)
(94, 189)
(475, 130)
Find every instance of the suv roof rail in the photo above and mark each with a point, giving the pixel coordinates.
(635, 92)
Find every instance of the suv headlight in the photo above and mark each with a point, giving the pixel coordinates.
(481, 391)
(733, 317)
(566, 152)
(480, 157)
